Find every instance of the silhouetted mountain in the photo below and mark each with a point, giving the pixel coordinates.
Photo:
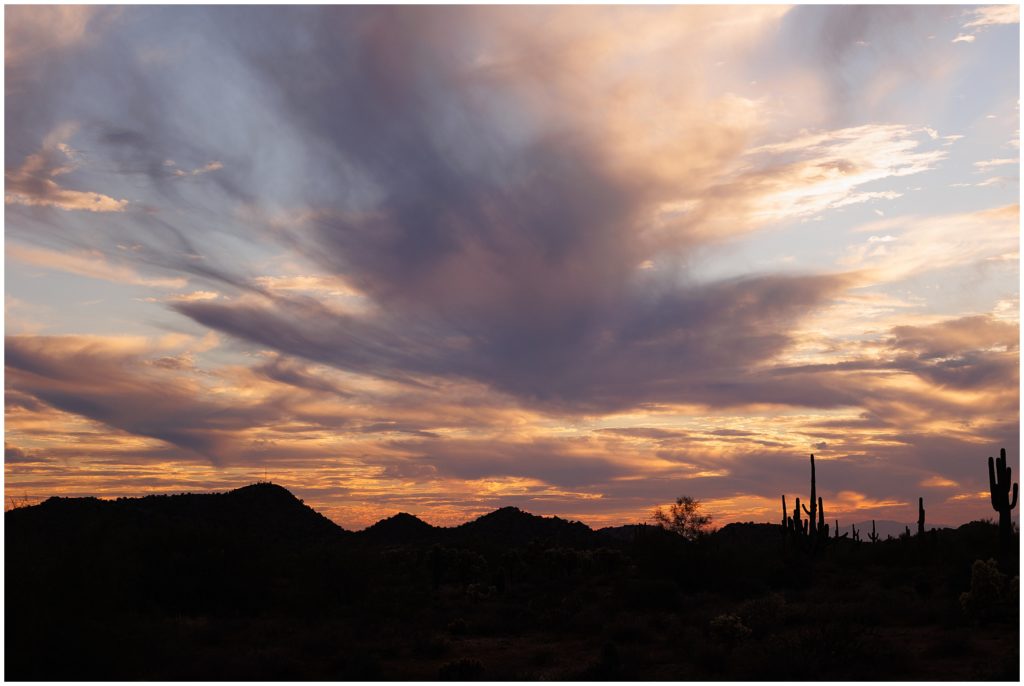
(262, 511)
(510, 526)
(254, 585)
(401, 528)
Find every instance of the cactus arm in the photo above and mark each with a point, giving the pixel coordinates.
(806, 511)
(1013, 503)
(992, 487)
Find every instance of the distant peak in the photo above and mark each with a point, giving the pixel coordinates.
(403, 519)
(508, 511)
(263, 487)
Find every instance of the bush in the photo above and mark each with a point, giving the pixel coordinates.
(729, 629)
(987, 597)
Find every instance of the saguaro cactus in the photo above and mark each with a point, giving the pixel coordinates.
(920, 517)
(999, 481)
(812, 513)
(873, 537)
(822, 526)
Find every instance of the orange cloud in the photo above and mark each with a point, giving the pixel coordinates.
(33, 182)
(90, 263)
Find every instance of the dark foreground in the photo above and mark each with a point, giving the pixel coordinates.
(253, 585)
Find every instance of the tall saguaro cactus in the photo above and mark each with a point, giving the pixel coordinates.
(813, 512)
(999, 481)
(920, 517)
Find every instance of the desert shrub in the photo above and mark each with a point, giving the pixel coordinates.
(816, 652)
(987, 597)
(729, 629)
(761, 614)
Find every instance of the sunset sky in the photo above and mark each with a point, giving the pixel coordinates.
(580, 260)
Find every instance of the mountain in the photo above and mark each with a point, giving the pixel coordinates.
(262, 511)
(402, 528)
(511, 526)
(253, 585)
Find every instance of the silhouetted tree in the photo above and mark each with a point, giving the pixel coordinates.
(684, 517)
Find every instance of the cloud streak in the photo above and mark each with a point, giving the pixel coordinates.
(33, 182)
(577, 259)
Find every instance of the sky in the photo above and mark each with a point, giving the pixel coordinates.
(579, 260)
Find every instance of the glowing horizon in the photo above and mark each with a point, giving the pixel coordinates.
(580, 260)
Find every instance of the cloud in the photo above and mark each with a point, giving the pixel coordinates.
(549, 461)
(16, 455)
(993, 15)
(291, 372)
(995, 180)
(111, 381)
(31, 31)
(939, 482)
(205, 169)
(194, 296)
(92, 264)
(463, 273)
(984, 17)
(657, 347)
(927, 244)
(984, 165)
(308, 283)
(33, 182)
(813, 173)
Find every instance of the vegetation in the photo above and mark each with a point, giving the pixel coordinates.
(684, 517)
(255, 585)
(999, 480)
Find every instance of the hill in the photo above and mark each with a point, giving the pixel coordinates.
(265, 511)
(254, 585)
(400, 528)
(510, 526)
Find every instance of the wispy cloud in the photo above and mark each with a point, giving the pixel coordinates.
(205, 169)
(985, 165)
(563, 260)
(925, 244)
(93, 264)
(993, 15)
(33, 182)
